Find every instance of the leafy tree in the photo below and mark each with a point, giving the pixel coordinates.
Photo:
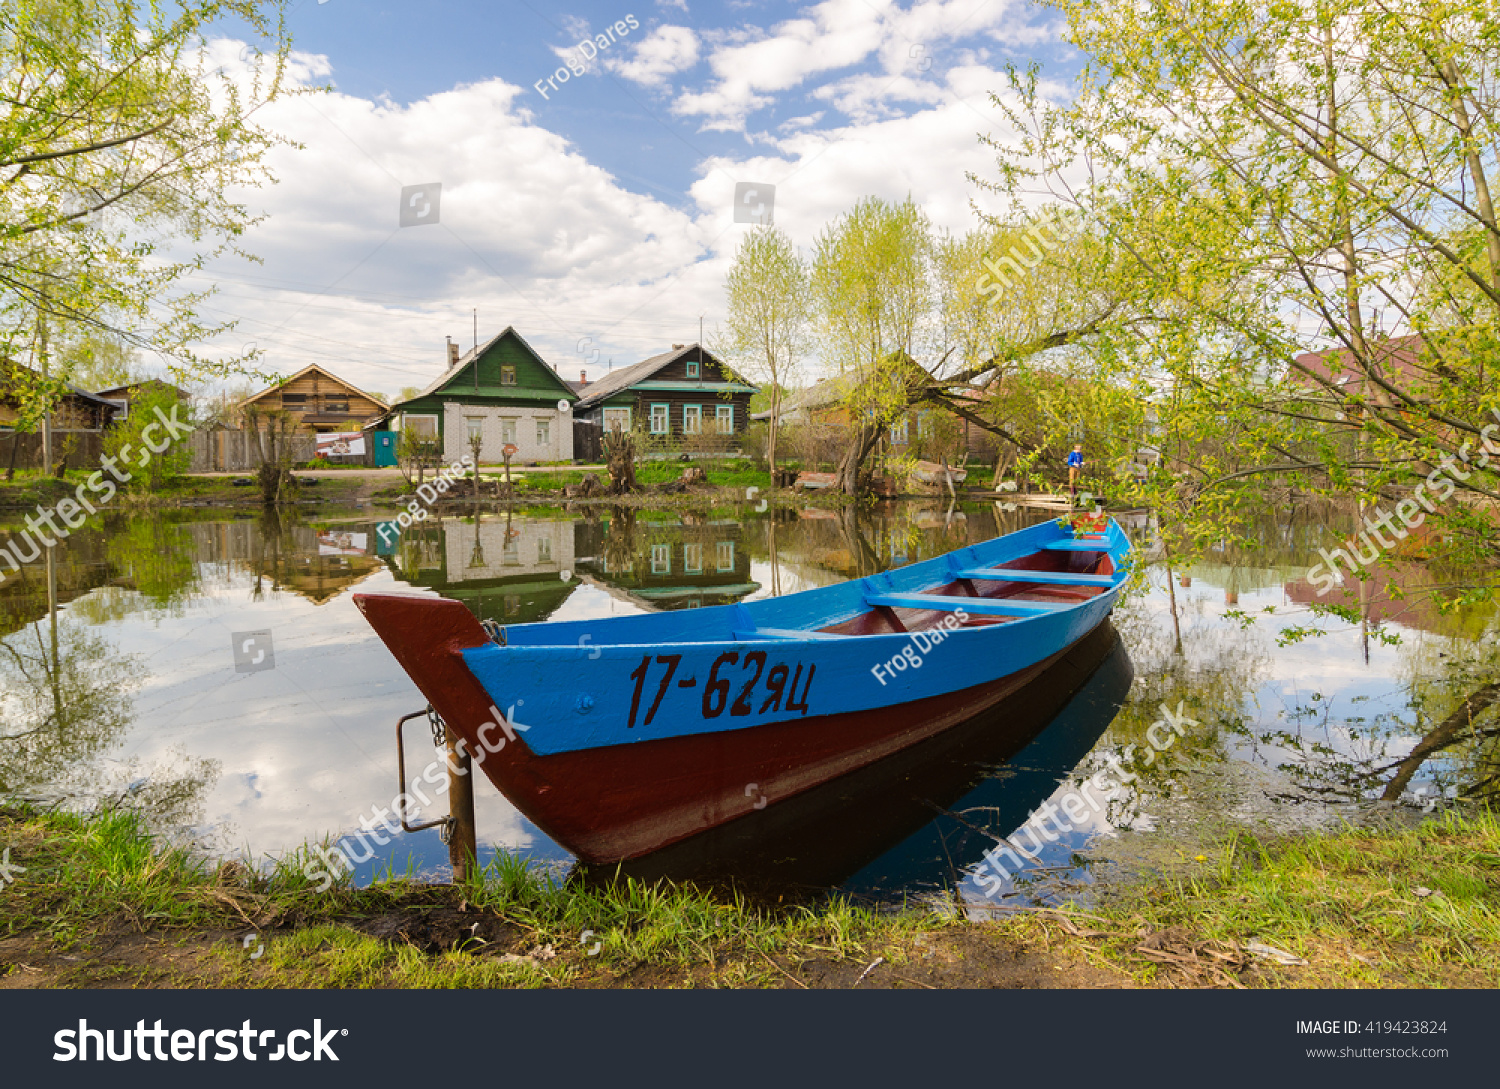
(121, 142)
(767, 331)
(1274, 180)
(148, 468)
(871, 284)
(95, 359)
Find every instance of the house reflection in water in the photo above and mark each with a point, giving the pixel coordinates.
(667, 565)
(318, 564)
(503, 568)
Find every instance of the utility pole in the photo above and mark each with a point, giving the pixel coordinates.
(41, 332)
(475, 312)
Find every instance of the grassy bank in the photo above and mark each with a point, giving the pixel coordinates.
(32, 490)
(100, 904)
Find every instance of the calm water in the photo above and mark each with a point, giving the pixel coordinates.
(128, 693)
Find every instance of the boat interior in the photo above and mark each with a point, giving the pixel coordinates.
(1037, 571)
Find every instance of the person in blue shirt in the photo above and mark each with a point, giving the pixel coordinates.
(1075, 466)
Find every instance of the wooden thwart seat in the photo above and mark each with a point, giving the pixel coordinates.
(1077, 546)
(979, 606)
(788, 633)
(1056, 578)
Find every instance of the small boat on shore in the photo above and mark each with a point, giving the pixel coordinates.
(620, 736)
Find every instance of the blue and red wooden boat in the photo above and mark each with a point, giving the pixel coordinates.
(622, 735)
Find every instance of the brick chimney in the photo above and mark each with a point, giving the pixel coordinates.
(583, 378)
(452, 353)
(675, 347)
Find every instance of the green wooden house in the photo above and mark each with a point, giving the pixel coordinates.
(682, 393)
(505, 393)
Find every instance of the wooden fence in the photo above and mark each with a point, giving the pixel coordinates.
(83, 449)
(238, 451)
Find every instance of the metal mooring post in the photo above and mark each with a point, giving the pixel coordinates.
(462, 846)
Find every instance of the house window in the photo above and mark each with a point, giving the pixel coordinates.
(294, 402)
(924, 425)
(724, 555)
(336, 406)
(692, 559)
(692, 418)
(661, 559)
(544, 432)
(508, 430)
(724, 419)
(507, 376)
(898, 433)
(544, 550)
(659, 425)
(617, 419)
(425, 426)
(475, 427)
(692, 368)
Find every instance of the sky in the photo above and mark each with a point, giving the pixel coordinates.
(594, 213)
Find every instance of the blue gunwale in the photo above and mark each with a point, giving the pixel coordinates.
(571, 684)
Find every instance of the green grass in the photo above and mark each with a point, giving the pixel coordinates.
(721, 474)
(1348, 902)
(1410, 906)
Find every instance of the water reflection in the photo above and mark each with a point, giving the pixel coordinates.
(117, 684)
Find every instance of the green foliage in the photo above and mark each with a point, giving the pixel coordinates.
(126, 440)
(767, 327)
(1263, 182)
(119, 139)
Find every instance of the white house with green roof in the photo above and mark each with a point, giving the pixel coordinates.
(503, 392)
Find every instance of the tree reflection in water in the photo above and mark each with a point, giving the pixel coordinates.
(65, 702)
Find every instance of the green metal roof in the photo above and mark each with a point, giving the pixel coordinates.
(696, 387)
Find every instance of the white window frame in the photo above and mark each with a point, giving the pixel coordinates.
(508, 429)
(666, 415)
(661, 559)
(724, 414)
(412, 421)
(720, 550)
(469, 428)
(543, 423)
(615, 414)
(692, 414)
(692, 558)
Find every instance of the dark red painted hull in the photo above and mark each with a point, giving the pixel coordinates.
(621, 802)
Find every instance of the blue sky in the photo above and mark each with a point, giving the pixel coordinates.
(596, 218)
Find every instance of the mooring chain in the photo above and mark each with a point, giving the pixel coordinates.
(440, 743)
(495, 630)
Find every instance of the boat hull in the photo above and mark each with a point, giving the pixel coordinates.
(619, 802)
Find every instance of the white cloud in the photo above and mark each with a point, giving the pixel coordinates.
(533, 234)
(666, 51)
(753, 66)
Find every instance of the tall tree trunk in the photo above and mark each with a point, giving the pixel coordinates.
(854, 457)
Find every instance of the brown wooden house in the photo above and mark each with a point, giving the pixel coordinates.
(320, 400)
(682, 393)
(77, 410)
(126, 396)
